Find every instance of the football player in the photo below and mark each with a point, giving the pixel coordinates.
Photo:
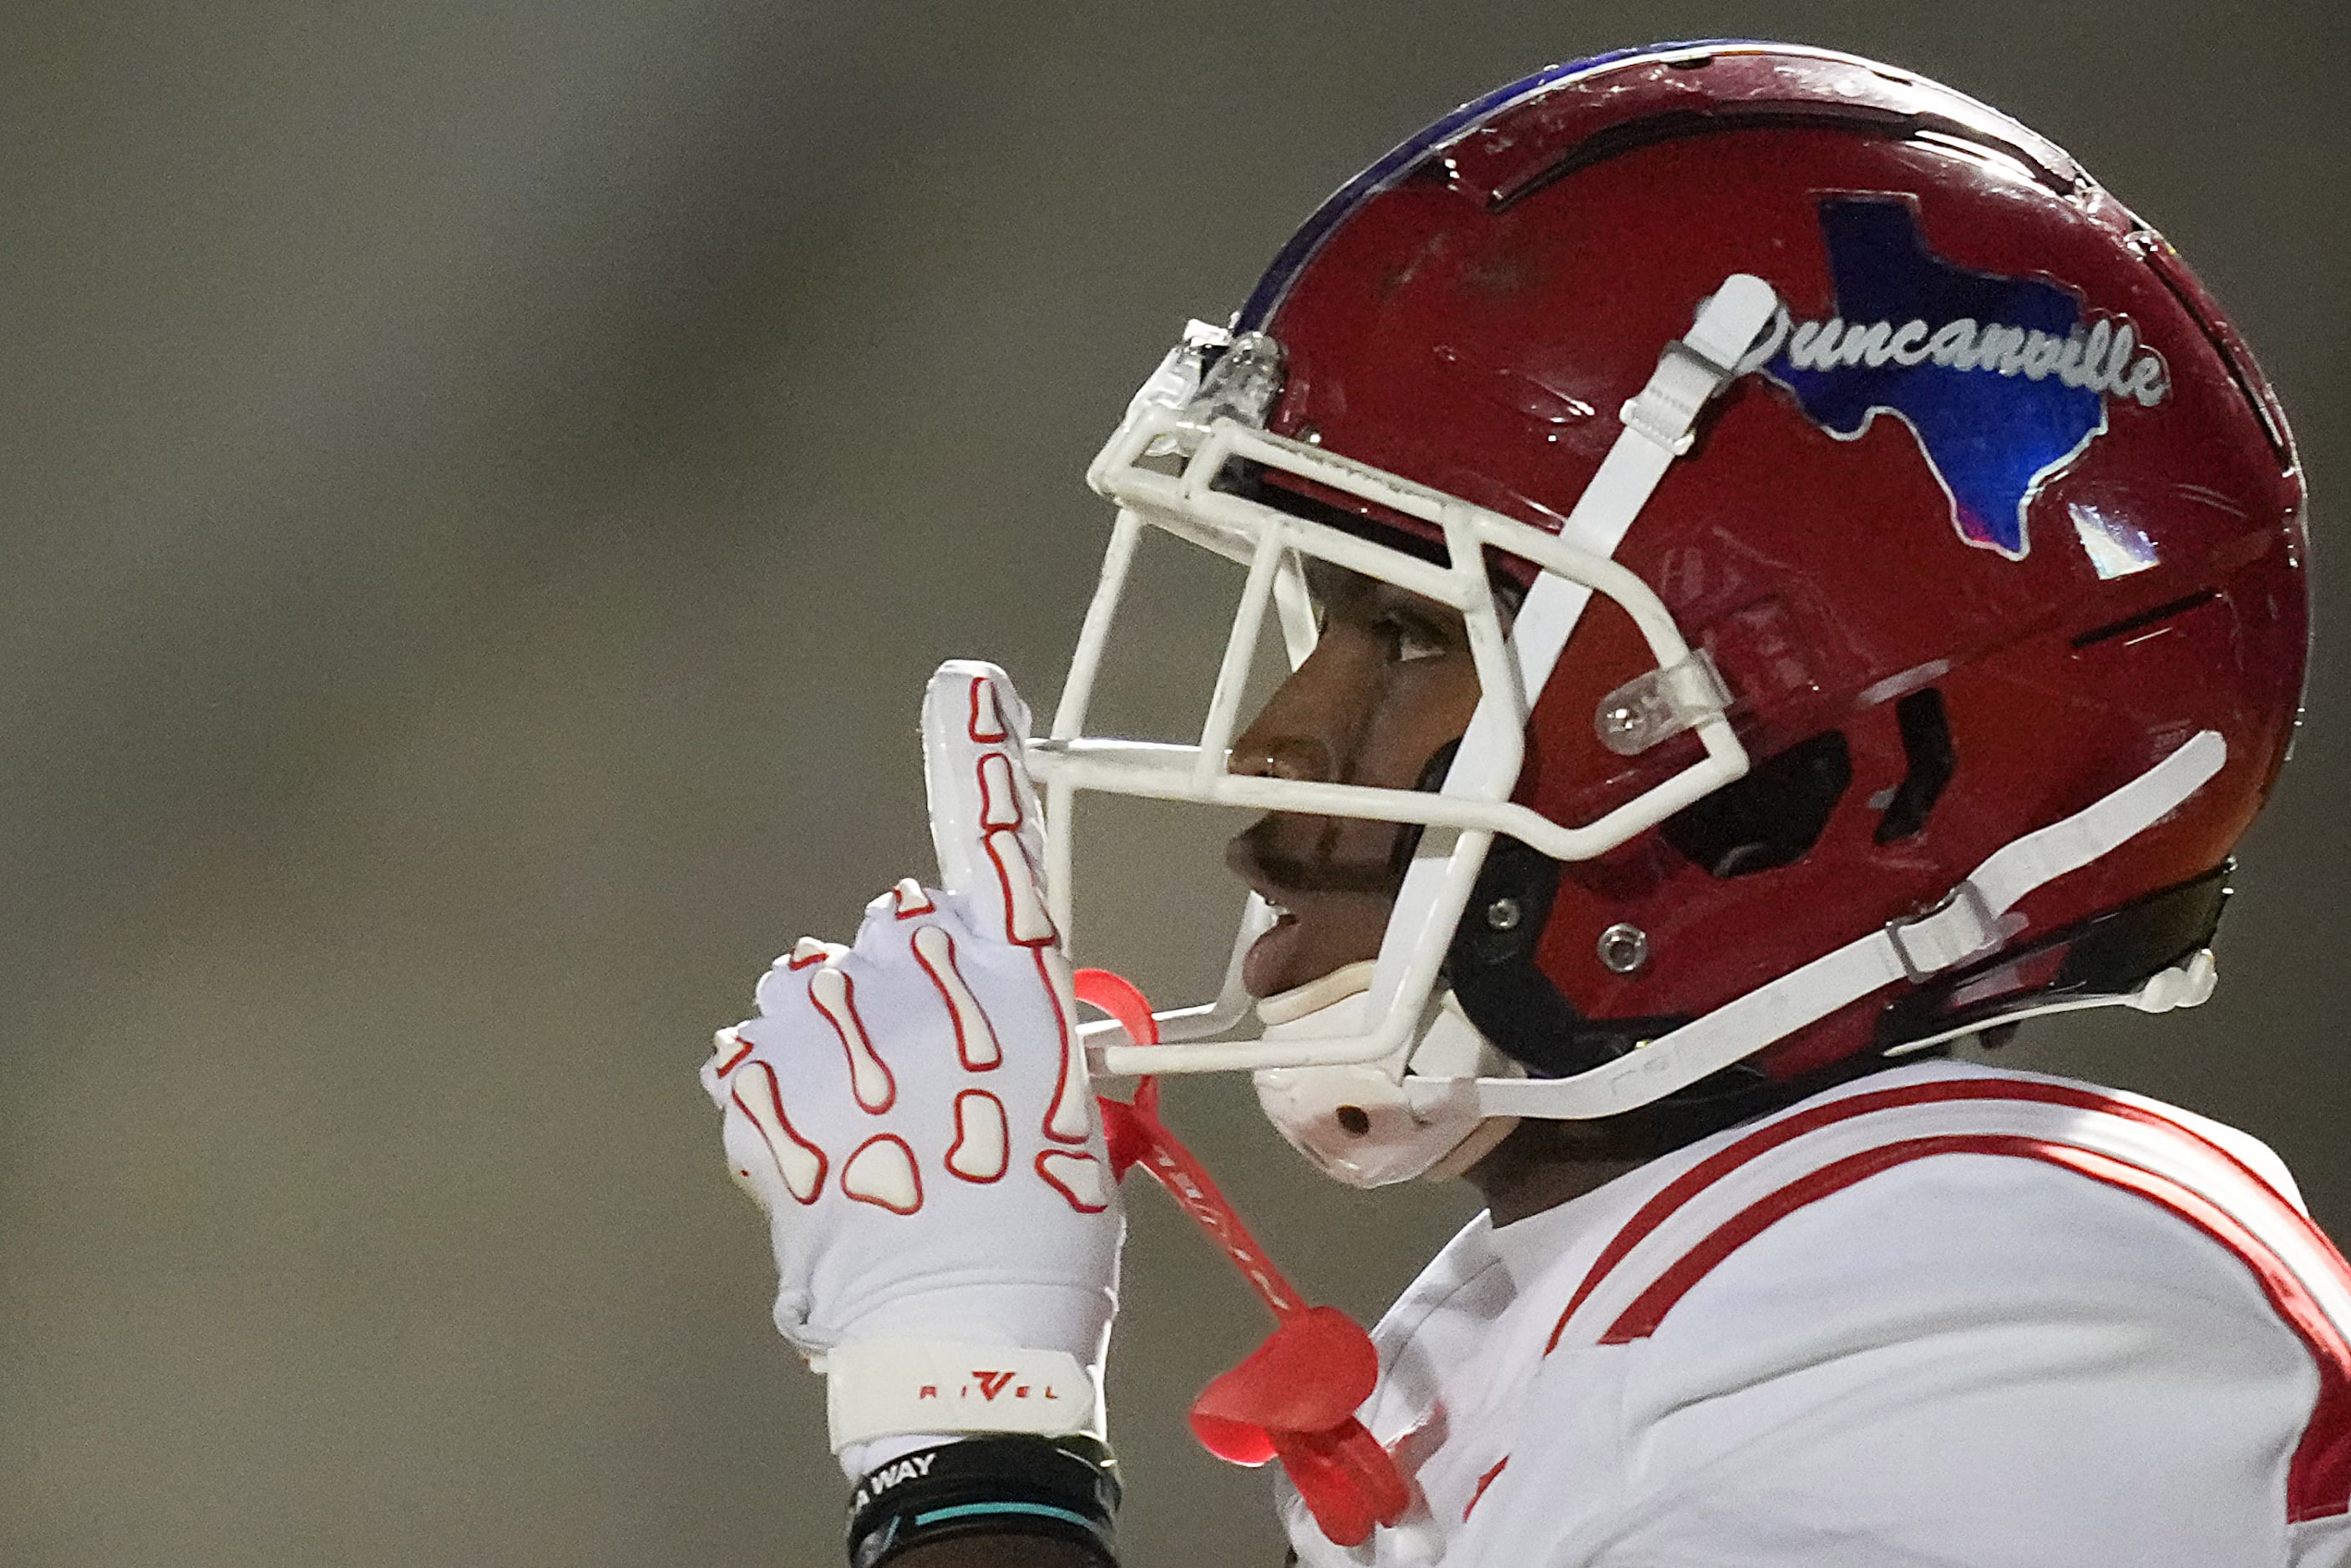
(1782, 573)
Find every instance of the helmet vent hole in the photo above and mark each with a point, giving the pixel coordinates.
(1354, 1120)
(1927, 748)
(1772, 818)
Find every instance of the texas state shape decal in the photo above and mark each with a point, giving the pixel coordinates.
(2003, 380)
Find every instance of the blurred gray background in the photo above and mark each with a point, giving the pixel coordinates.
(484, 485)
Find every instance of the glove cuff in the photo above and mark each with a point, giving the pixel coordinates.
(881, 1387)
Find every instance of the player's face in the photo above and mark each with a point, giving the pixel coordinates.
(1390, 684)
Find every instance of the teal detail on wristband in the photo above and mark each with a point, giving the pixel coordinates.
(971, 1509)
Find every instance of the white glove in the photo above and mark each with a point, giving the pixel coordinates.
(913, 1115)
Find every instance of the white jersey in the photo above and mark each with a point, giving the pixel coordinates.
(1942, 1316)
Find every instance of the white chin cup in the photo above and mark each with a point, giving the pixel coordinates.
(1354, 1122)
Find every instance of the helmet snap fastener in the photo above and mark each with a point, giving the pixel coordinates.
(1623, 949)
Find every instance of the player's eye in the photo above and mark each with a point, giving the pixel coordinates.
(1411, 639)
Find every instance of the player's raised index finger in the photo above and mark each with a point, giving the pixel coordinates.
(985, 825)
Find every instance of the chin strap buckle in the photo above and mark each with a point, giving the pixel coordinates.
(1693, 368)
(1957, 928)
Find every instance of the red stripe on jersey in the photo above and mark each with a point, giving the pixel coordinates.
(1722, 1163)
(2318, 1481)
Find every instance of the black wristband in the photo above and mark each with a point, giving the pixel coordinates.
(1062, 1487)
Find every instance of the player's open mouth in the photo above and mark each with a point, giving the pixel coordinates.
(1268, 958)
(1327, 911)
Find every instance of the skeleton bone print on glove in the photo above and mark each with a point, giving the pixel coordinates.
(912, 1110)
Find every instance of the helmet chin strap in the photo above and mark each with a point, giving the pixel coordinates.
(1974, 918)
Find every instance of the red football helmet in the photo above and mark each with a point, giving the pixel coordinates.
(1885, 565)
